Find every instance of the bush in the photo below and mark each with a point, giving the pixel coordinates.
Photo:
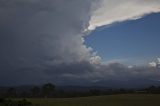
(24, 102)
(2, 100)
(10, 102)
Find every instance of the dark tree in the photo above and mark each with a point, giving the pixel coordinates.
(35, 91)
(48, 90)
(11, 92)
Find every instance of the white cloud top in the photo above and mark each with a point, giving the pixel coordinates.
(111, 11)
(155, 64)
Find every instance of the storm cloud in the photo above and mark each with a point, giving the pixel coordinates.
(37, 34)
(43, 41)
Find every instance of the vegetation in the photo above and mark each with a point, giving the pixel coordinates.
(9, 102)
(110, 100)
(49, 95)
(50, 91)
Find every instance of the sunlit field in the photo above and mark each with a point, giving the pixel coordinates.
(111, 100)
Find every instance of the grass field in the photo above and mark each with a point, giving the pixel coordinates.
(111, 100)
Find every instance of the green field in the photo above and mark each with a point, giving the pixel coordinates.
(111, 100)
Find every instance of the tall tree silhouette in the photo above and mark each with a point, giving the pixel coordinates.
(48, 90)
(35, 91)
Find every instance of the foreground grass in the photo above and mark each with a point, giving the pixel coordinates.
(111, 100)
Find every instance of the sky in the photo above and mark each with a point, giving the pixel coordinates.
(79, 42)
(131, 42)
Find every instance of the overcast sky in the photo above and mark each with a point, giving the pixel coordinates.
(79, 42)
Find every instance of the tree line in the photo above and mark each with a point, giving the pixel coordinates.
(49, 90)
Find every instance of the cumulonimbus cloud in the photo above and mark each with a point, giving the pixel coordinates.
(42, 41)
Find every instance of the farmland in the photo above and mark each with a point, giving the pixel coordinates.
(110, 100)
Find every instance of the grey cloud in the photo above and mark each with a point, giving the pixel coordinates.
(37, 33)
(118, 75)
(42, 41)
